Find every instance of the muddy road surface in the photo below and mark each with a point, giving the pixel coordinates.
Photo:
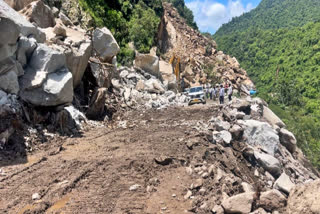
(136, 165)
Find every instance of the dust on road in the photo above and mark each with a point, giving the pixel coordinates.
(93, 174)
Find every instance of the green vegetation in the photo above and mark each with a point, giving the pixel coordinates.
(274, 14)
(128, 20)
(280, 49)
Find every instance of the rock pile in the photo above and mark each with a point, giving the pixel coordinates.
(44, 55)
(257, 171)
(43, 58)
(139, 88)
(200, 61)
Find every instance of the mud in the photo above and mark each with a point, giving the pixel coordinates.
(93, 173)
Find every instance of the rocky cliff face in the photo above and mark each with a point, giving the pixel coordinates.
(198, 53)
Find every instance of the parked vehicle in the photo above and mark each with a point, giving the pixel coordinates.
(196, 95)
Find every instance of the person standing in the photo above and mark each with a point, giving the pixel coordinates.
(221, 94)
(211, 93)
(230, 92)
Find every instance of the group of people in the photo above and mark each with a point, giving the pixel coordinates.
(220, 91)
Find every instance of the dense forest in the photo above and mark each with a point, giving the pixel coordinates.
(134, 21)
(274, 14)
(284, 62)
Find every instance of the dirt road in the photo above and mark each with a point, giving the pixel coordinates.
(135, 166)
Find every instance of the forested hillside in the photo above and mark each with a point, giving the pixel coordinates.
(284, 62)
(274, 14)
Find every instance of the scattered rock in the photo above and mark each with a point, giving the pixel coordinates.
(96, 109)
(272, 200)
(259, 211)
(268, 162)
(188, 195)
(65, 20)
(247, 187)
(272, 118)
(36, 196)
(288, 140)
(284, 184)
(134, 187)
(60, 30)
(25, 27)
(240, 203)
(217, 209)
(236, 132)
(40, 14)
(304, 198)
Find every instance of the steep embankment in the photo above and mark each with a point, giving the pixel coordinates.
(283, 62)
(200, 62)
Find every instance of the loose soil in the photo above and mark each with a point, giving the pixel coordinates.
(93, 173)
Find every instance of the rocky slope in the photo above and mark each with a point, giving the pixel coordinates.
(176, 38)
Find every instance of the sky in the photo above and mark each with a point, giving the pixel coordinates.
(211, 14)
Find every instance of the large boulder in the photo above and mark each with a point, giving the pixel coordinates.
(18, 4)
(25, 49)
(105, 44)
(25, 27)
(9, 82)
(283, 183)
(56, 89)
(9, 72)
(268, 162)
(148, 63)
(153, 86)
(47, 81)
(46, 59)
(272, 200)
(241, 203)
(77, 61)
(40, 14)
(272, 118)
(261, 135)
(168, 76)
(305, 198)
(9, 33)
(288, 140)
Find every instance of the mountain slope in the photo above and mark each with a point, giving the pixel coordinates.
(278, 44)
(274, 14)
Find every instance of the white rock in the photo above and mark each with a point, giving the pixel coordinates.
(36, 196)
(240, 203)
(261, 134)
(247, 187)
(188, 195)
(288, 140)
(25, 27)
(149, 64)
(268, 162)
(284, 184)
(105, 44)
(272, 118)
(135, 187)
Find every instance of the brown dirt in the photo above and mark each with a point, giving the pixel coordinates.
(93, 173)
